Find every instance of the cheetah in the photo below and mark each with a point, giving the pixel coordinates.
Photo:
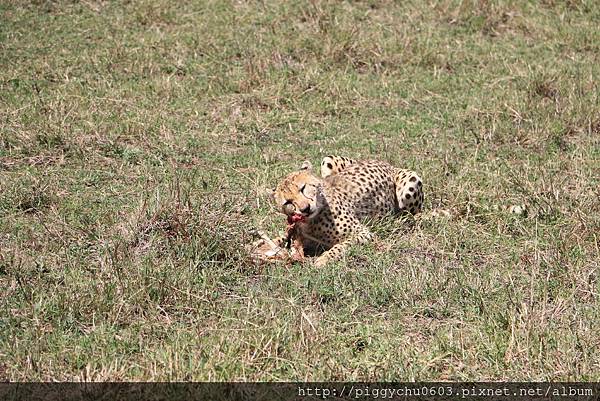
(331, 210)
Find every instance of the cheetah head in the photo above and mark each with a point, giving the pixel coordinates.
(300, 193)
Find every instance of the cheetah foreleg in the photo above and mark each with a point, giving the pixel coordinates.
(336, 252)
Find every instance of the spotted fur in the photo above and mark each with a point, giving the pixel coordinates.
(347, 193)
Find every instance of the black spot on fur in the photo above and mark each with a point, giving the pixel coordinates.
(329, 165)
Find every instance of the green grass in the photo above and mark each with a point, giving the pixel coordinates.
(138, 141)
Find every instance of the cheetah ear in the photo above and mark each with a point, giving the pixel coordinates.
(306, 165)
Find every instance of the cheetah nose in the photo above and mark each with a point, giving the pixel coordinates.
(306, 210)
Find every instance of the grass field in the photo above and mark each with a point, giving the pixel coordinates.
(139, 139)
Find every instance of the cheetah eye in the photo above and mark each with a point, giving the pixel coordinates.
(287, 202)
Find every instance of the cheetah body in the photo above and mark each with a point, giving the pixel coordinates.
(336, 205)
